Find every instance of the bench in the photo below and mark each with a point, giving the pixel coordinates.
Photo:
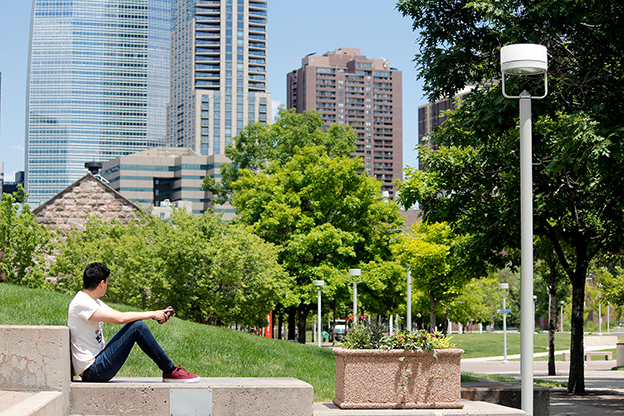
(37, 359)
(608, 355)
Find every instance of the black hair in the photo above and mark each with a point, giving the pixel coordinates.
(93, 274)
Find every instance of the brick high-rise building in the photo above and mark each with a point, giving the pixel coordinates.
(350, 89)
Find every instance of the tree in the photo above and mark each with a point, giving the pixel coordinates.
(259, 144)
(578, 155)
(311, 201)
(209, 271)
(23, 242)
(431, 251)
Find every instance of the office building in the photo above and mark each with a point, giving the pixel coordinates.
(159, 176)
(218, 77)
(98, 86)
(432, 115)
(350, 89)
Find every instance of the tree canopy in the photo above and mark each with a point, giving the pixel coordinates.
(472, 179)
(312, 201)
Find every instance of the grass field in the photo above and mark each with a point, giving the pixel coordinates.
(220, 352)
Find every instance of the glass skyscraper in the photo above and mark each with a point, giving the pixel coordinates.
(98, 86)
(218, 78)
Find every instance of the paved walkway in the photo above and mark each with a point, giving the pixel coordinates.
(605, 387)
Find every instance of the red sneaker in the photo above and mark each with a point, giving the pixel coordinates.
(180, 375)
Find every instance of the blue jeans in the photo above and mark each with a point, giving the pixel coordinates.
(108, 362)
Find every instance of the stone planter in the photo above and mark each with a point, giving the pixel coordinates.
(378, 379)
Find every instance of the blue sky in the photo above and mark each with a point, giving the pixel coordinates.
(295, 29)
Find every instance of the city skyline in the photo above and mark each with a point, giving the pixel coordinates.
(294, 31)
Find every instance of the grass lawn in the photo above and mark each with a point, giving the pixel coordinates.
(202, 349)
(491, 344)
(220, 352)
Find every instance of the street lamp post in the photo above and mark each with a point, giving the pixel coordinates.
(525, 59)
(353, 273)
(504, 287)
(319, 284)
(561, 303)
(409, 297)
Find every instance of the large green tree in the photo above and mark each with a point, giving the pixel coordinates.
(432, 252)
(578, 155)
(311, 201)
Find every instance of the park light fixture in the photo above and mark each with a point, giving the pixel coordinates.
(525, 59)
(319, 284)
(504, 287)
(355, 276)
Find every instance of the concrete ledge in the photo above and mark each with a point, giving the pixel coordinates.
(506, 394)
(470, 408)
(35, 358)
(210, 396)
(608, 355)
(45, 403)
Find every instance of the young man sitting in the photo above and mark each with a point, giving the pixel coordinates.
(95, 360)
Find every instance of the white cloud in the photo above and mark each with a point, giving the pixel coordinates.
(17, 147)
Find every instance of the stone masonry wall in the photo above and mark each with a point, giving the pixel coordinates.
(87, 197)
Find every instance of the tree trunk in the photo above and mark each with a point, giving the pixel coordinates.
(280, 323)
(576, 378)
(432, 315)
(292, 322)
(302, 317)
(552, 371)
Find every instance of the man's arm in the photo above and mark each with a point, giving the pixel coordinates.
(107, 314)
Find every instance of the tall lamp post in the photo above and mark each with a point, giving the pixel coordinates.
(504, 287)
(409, 297)
(355, 276)
(525, 59)
(319, 284)
(561, 303)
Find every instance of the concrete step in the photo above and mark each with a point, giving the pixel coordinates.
(45, 403)
(209, 397)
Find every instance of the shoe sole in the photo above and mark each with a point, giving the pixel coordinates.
(184, 380)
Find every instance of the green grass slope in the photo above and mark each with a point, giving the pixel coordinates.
(202, 349)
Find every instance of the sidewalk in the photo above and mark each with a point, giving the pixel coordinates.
(605, 387)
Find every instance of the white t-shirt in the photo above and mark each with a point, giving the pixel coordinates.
(87, 339)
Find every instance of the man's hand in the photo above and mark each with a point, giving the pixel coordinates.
(166, 315)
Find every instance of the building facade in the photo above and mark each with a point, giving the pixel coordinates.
(98, 86)
(350, 89)
(432, 115)
(163, 175)
(218, 77)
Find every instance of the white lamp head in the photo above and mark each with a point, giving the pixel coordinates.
(503, 286)
(319, 283)
(524, 59)
(355, 272)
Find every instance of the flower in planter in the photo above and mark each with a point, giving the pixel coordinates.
(370, 335)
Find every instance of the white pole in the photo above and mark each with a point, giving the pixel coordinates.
(391, 326)
(608, 319)
(320, 323)
(562, 303)
(354, 301)
(526, 247)
(599, 317)
(505, 361)
(409, 297)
